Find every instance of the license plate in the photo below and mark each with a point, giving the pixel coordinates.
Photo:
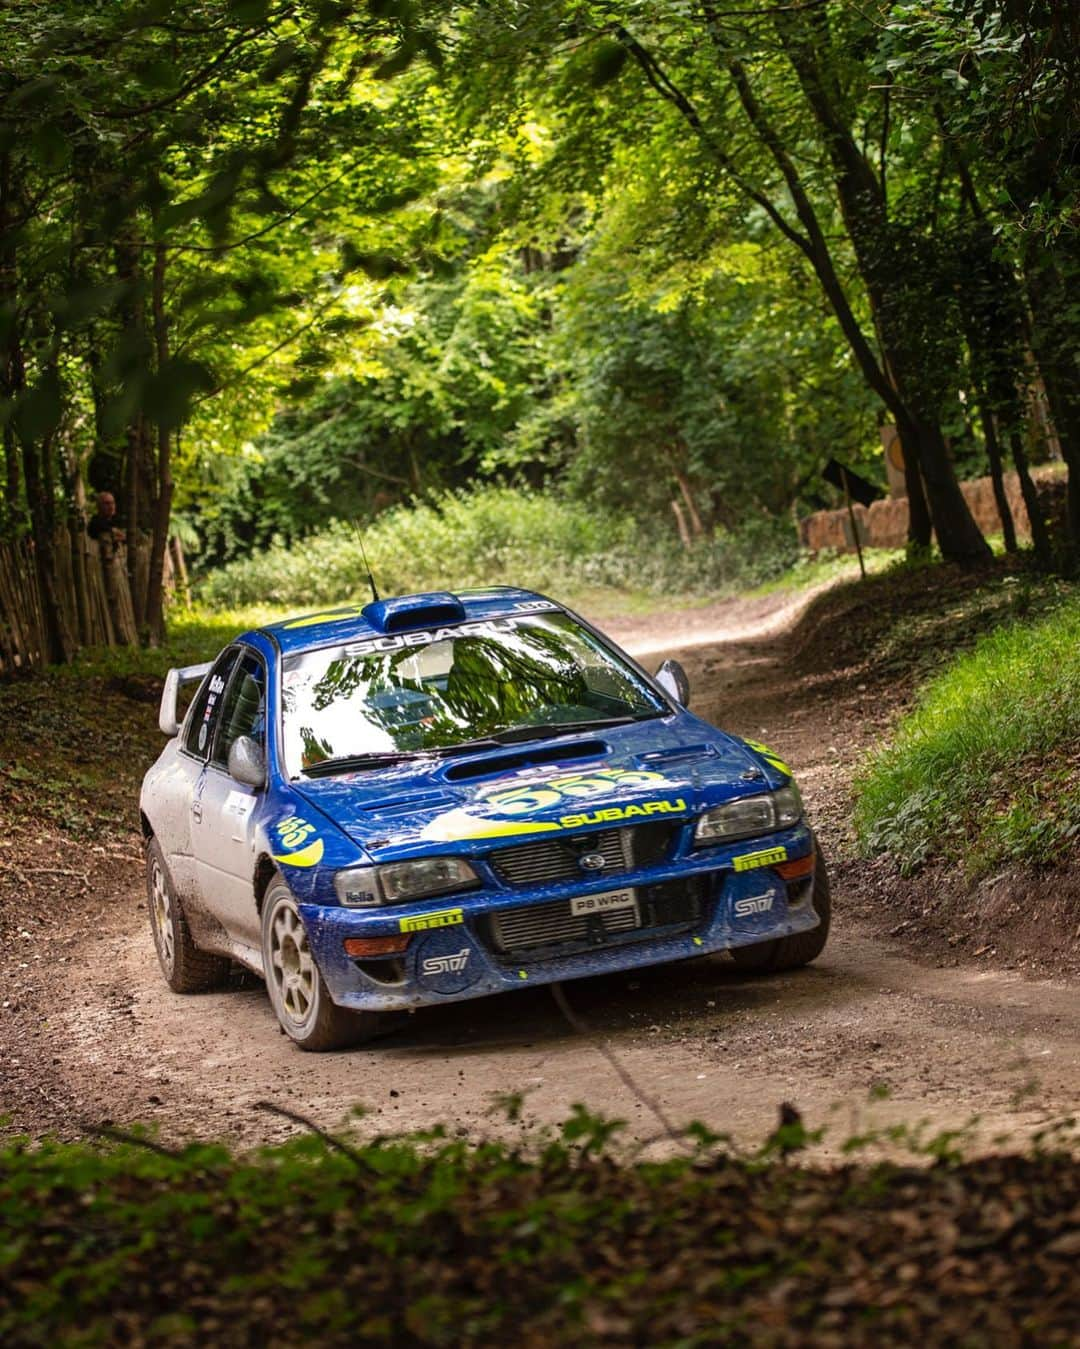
(603, 903)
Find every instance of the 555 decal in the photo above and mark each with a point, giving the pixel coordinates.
(295, 844)
(538, 794)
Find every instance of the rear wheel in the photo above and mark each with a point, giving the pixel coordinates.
(185, 967)
(788, 953)
(298, 992)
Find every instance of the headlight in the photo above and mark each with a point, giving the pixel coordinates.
(364, 887)
(358, 888)
(750, 815)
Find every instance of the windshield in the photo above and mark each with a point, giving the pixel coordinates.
(425, 691)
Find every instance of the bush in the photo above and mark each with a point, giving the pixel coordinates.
(431, 1241)
(983, 770)
(499, 535)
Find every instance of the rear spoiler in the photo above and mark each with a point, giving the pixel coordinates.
(168, 715)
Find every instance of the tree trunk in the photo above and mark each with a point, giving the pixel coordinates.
(1051, 340)
(11, 512)
(155, 608)
(12, 516)
(997, 478)
(36, 450)
(62, 642)
(136, 359)
(183, 585)
(680, 524)
(804, 36)
(697, 528)
(1040, 535)
(920, 526)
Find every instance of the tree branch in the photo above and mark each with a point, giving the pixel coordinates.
(668, 90)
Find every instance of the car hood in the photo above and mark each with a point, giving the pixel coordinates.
(668, 767)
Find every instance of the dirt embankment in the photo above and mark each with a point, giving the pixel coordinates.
(926, 1004)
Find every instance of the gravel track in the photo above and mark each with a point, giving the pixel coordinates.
(866, 1037)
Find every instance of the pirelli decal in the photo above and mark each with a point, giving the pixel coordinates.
(768, 857)
(440, 918)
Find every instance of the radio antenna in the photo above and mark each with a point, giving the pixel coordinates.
(363, 553)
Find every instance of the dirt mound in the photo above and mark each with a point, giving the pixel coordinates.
(905, 622)
(1020, 918)
(886, 635)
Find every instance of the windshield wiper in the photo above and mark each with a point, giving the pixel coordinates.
(351, 763)
(520, 733)
(354, 763)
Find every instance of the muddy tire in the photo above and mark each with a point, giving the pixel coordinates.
(185, 967)
(298, 994)
(789, 953)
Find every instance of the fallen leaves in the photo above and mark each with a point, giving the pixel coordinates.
(433, 1242)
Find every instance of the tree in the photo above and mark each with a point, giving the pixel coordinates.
(181, 201)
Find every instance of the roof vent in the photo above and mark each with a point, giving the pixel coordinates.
(415, 611)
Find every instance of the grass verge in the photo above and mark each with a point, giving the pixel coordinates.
(433, 1241)
(505, 535)
(984, 770)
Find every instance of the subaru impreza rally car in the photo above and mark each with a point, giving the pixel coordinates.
(442, 796)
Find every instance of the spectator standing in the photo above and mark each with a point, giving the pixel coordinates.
(105, 522)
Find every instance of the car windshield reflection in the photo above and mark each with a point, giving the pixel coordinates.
(426, 692)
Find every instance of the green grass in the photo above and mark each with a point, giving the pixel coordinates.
(193, 635)
(985, 769)
(502, 535)
(828, 567)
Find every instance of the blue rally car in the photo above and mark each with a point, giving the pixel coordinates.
(441, 796)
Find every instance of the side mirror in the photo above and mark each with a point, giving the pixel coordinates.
(169, 718)
(247, 762)
(672, 679)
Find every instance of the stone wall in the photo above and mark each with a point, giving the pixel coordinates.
(885, 523)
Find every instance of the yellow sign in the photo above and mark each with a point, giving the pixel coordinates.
(423, 921)
(766, 858)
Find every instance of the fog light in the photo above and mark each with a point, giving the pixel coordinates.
(376, 946)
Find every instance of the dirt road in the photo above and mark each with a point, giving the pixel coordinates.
(866, 1037)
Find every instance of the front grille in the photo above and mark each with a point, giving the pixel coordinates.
(549, 860)
(551, 929)
(554, 925)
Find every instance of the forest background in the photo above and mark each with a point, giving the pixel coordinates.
(269, 266)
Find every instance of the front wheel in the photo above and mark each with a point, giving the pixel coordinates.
(298, 992)
(789, 953)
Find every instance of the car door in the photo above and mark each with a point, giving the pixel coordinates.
(224, 833)
(180, 788)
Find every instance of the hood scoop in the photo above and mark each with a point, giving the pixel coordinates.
(676, 754)
(526, 757)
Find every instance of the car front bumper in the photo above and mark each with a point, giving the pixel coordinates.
(451, 955)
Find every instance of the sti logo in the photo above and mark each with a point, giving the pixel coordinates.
(446, 964)
(752, 904)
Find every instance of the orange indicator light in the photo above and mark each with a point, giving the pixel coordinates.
(794, 871)
(376, 946)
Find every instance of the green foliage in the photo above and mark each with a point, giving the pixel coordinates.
(499, 535)
(984, 770)
(432, 1241)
